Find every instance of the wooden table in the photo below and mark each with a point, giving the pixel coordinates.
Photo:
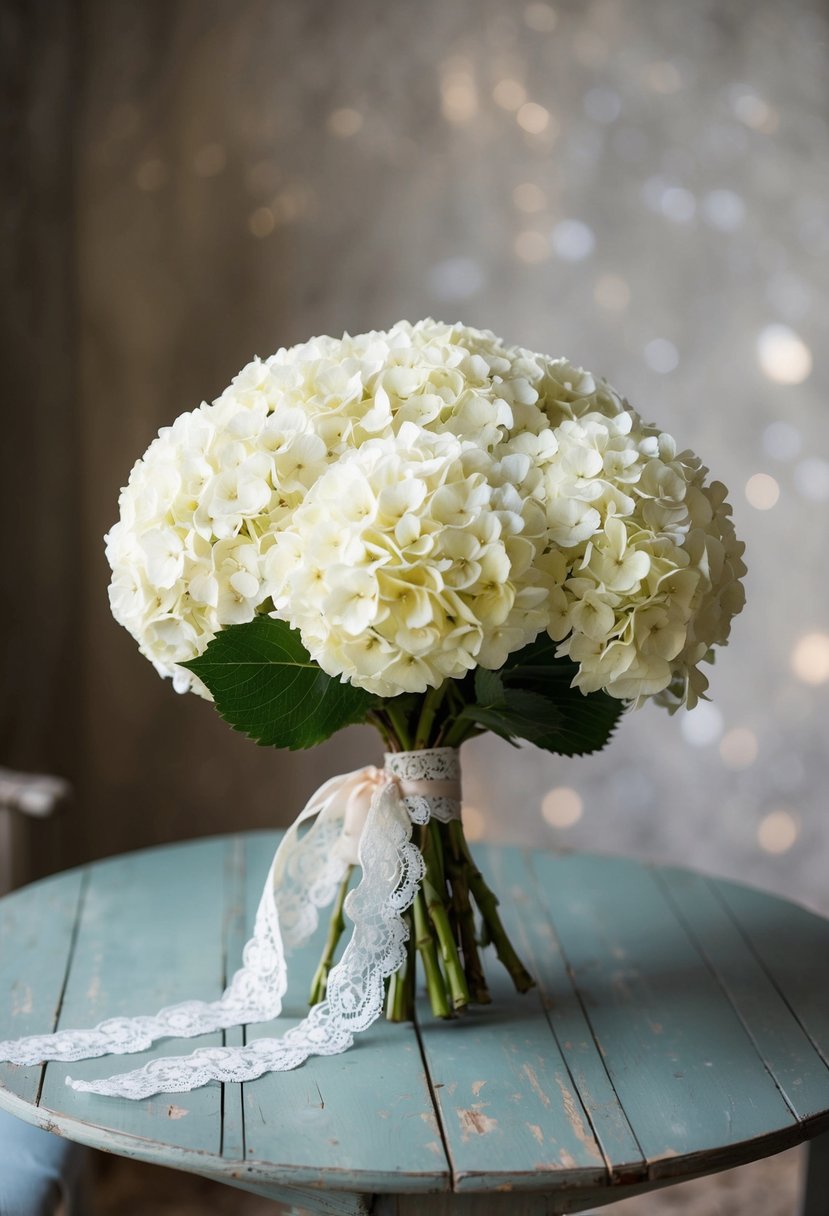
(681, 1026)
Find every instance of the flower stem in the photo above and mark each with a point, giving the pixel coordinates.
(400, 725)
(434, 891)
(456, 872)
(488, 904)
(336, 928)
(431, 704)
(435, 983)
(400, 997)
(377, 719)
(459, 732)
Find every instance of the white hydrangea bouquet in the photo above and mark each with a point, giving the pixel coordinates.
(440, 535)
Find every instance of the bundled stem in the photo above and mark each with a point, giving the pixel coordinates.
(425, 943)
(336, 928)
(487, 903)
(441, 922)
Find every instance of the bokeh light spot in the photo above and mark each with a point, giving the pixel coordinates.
(783, 355)
(572, 240)
(811, 478)
(533, 118)
(781, 440)
(739, 748)
(777, 831)
(612, 292)
(509, 94)
(762, 491)
(661, 356)
(345, 122)
(703, 725)
(678, 204)
(540, 17)
(562, 807)
(663, 77)
(724, 210)
(151, 175)
(261, 222)
(532, 246)
(529, 197)
(456, 278)
(458, 93)
(810, 658)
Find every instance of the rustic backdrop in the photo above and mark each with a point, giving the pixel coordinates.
(642, 187)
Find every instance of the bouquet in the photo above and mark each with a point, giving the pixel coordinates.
(440, 535)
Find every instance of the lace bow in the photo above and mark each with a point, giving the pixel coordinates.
(365, 816)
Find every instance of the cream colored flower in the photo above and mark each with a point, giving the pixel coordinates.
(421, 501)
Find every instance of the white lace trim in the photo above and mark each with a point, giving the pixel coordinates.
(304, 876)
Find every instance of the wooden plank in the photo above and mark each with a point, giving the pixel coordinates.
(790, 1057)
(247, 1177)
(688, 1076)
(37, 926)
(534, 937)
(793, 946)
(510, 1112)
(150, 934)
(363, 1120)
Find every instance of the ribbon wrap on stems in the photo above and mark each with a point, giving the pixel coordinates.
(365, 816)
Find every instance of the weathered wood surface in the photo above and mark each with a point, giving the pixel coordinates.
(680, 1026)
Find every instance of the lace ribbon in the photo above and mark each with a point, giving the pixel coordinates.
(363, 816)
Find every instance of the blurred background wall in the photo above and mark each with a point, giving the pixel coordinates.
(641, 186)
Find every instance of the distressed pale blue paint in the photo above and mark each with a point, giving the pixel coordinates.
(359, 1119)
(150, 934)
(660, 991)
(793, 945)
(688, 1076)
(510, 1112)
(789, 1055)
(36, 934)
(530, 928)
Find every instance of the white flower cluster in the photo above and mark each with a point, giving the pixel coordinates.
(422, 501)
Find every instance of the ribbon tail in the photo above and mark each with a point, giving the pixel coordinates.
(392, 869)
(256, 991)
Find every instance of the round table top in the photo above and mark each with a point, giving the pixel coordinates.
(680, 1025)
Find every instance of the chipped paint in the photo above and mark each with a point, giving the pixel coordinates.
(535, 1085)
(475, 1122)
(176, 1112)
(21, 999)
(477, 1086)
(536, 1132)
(567, 1159)
(582, 1133)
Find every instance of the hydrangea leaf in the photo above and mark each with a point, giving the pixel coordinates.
(531, 698)
(266, 685)
(577, 723)
(515, 714)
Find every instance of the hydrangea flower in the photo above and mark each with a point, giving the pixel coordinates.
(422, 501)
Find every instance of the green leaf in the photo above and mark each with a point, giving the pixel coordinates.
(572, 723)
(517, 715)
(489, 687)
(266, 685)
